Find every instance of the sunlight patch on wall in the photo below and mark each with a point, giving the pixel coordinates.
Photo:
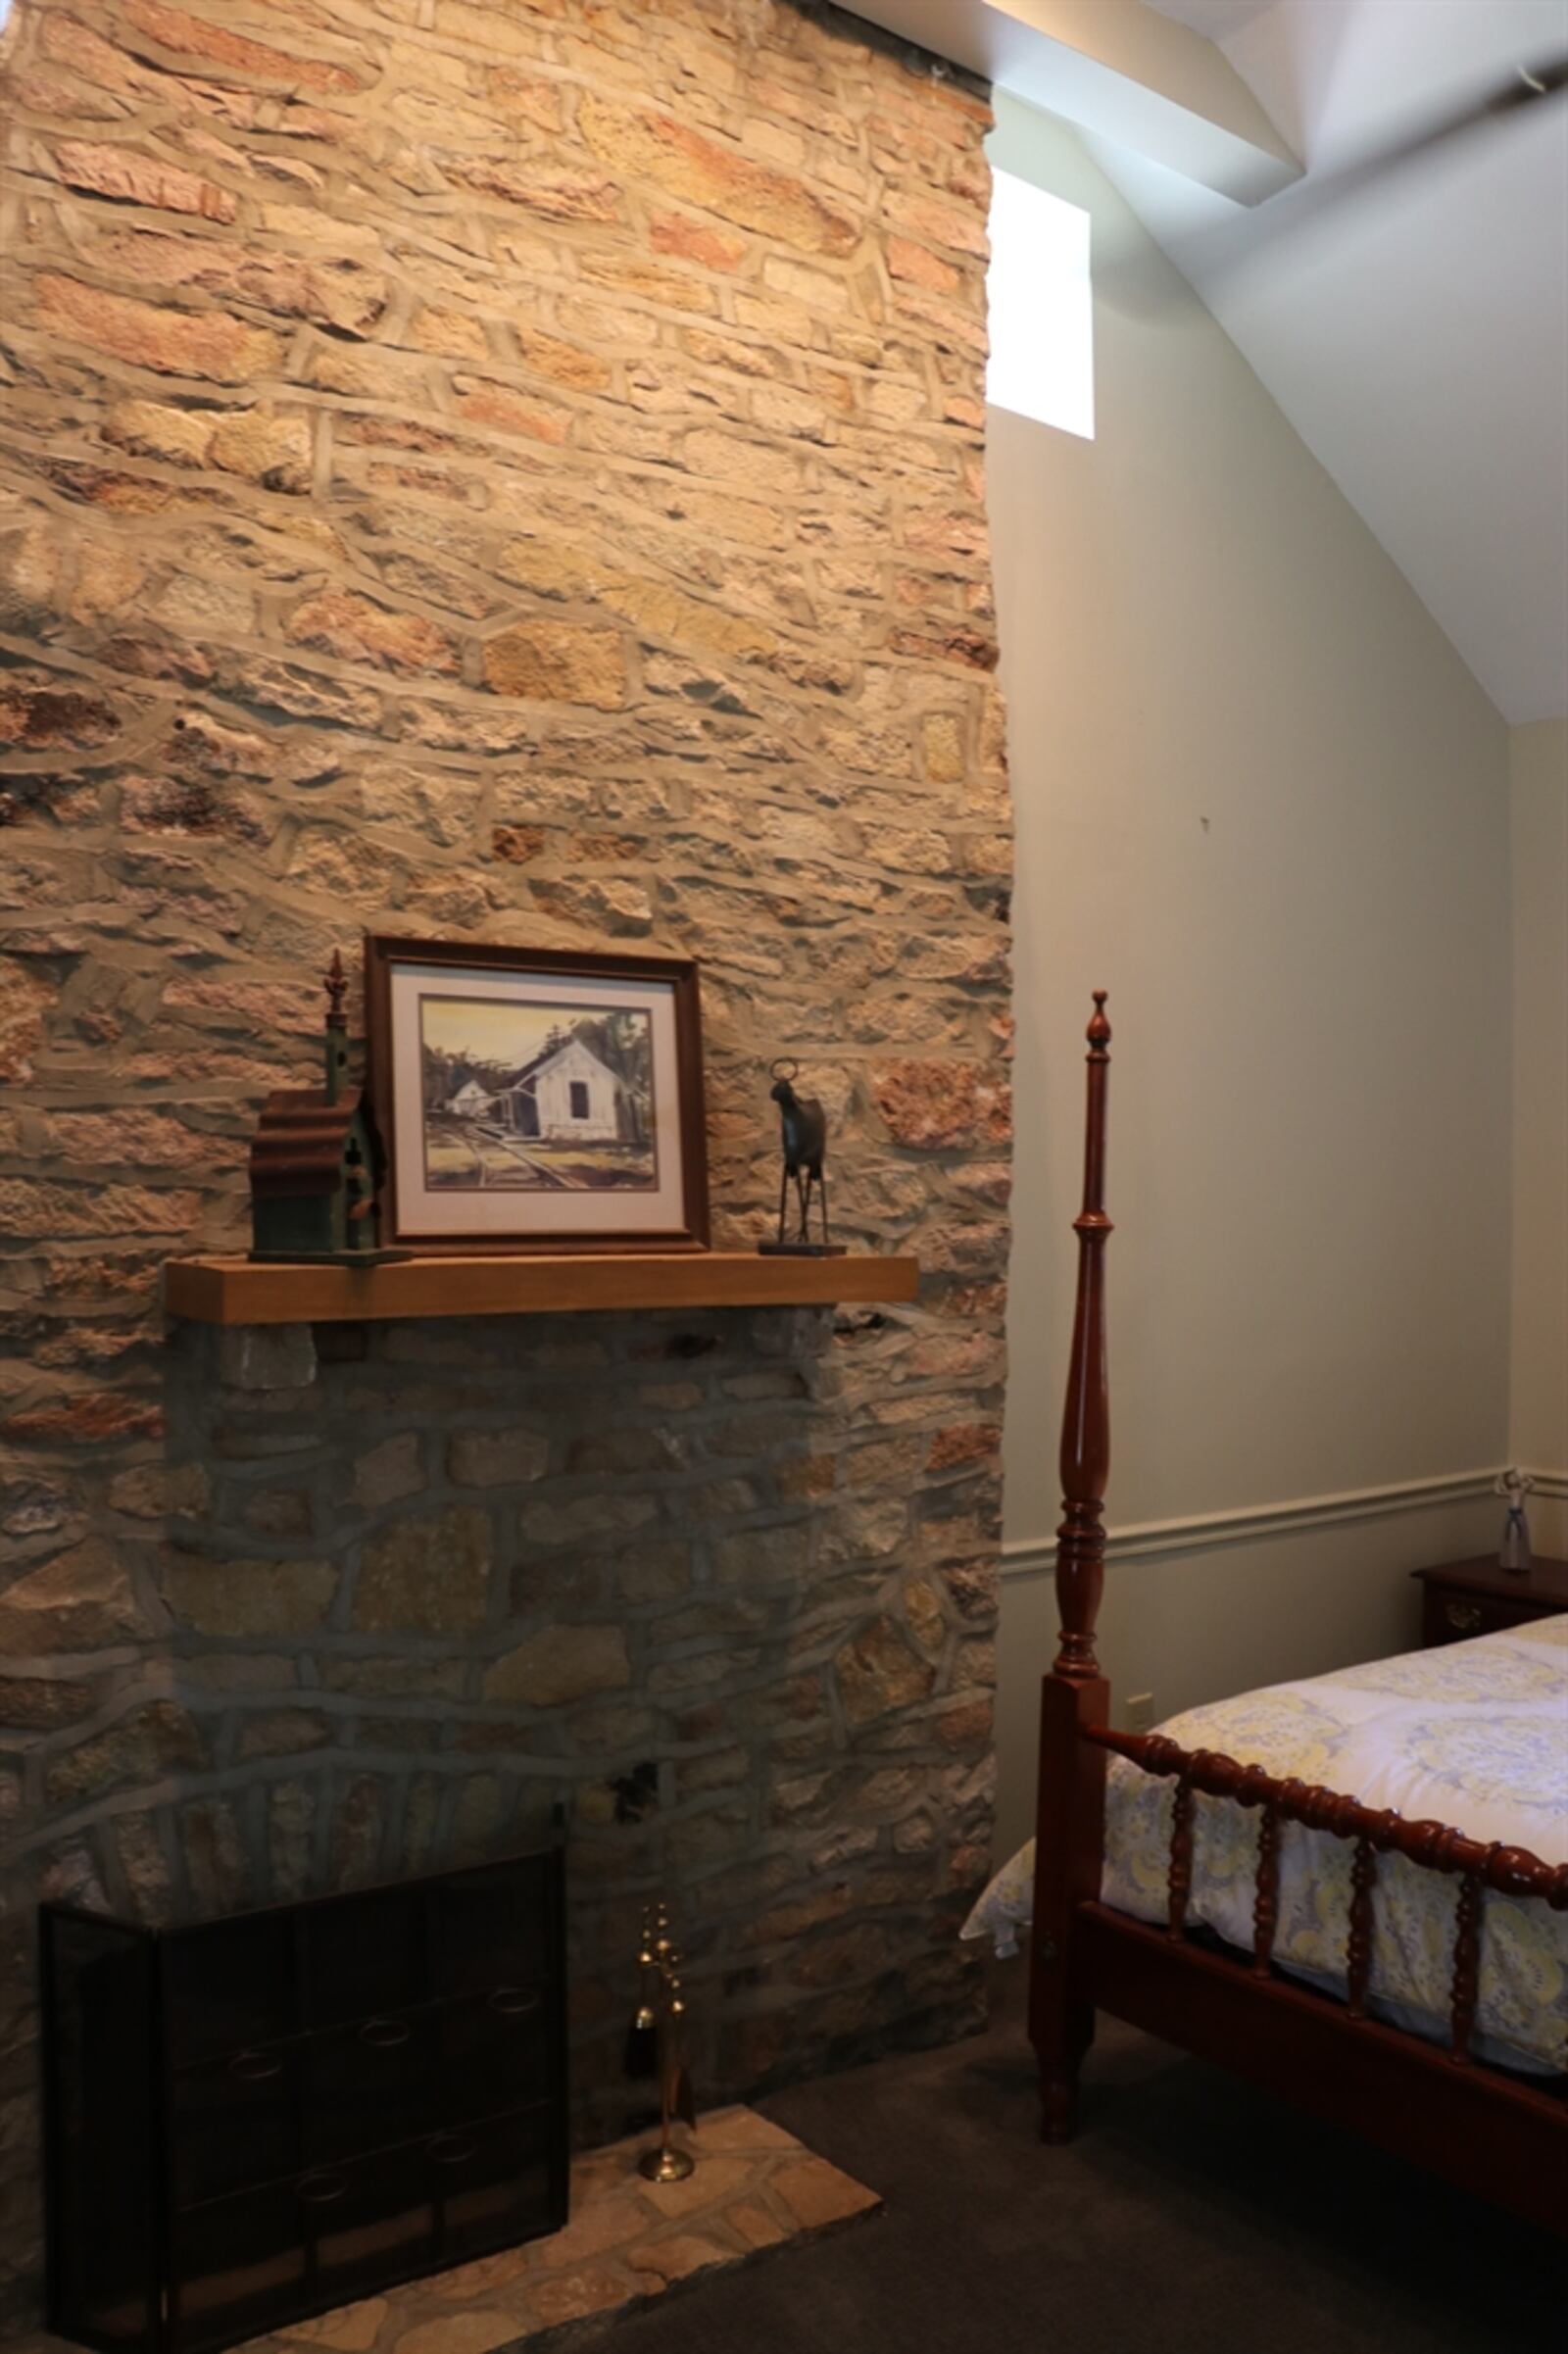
(1041, 298)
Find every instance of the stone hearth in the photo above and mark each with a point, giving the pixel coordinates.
(756, 2191)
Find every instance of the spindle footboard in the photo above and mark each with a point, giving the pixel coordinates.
(1497, 2133)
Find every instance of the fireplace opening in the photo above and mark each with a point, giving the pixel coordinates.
(254, 2120)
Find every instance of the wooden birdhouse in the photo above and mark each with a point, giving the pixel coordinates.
(315, 1163)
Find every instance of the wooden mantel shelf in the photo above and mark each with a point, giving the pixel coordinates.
(232, 1291)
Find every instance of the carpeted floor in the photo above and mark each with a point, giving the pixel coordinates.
(1190, 2217)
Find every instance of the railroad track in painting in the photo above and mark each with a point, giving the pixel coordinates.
(551, 1179)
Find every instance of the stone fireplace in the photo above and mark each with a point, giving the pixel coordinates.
(505, 471)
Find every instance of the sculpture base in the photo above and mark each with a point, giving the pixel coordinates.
(803, 1250)
(668, 2165)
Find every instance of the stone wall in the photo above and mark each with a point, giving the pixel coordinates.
(514, 470)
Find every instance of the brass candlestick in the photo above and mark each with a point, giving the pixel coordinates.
(657, 2032)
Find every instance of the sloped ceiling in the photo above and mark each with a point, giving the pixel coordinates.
(1416, 332)
(1216, 19)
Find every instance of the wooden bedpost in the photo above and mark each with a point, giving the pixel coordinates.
(1069, 1827)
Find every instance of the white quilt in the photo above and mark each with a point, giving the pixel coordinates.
(1475, 1735)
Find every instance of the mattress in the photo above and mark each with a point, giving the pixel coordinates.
(1474, 1734)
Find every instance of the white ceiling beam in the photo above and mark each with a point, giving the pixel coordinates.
(1114, 66)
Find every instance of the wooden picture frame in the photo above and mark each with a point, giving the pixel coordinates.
(539, 1130)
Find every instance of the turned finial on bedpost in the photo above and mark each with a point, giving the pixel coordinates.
(1086, 1415)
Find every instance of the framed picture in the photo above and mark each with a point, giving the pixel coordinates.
(536, 1098)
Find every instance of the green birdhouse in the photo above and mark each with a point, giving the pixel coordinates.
(315, 1163)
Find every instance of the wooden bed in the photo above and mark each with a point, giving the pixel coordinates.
(1500, 2134)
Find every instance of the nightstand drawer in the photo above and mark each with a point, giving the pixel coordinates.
(1450, 1617)
(1460, 1599)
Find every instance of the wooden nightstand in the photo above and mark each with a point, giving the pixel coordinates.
(1477, 1598)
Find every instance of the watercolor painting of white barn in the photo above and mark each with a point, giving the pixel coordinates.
(567, 1095)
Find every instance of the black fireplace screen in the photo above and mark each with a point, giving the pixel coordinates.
(261, 2118)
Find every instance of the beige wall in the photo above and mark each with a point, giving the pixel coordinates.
(1262, 801)
(1538, 1425)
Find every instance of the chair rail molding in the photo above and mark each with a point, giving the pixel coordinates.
(1252, 1524)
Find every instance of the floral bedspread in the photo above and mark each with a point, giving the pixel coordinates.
(1475, 1733)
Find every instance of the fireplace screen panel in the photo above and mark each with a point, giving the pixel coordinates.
(100, 2105)
(256, 2120)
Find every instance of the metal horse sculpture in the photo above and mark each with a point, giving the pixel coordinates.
(804, 1124)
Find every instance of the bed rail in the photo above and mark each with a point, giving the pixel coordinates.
(1376, 1830)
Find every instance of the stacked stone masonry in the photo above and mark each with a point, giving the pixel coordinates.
(508, 468)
